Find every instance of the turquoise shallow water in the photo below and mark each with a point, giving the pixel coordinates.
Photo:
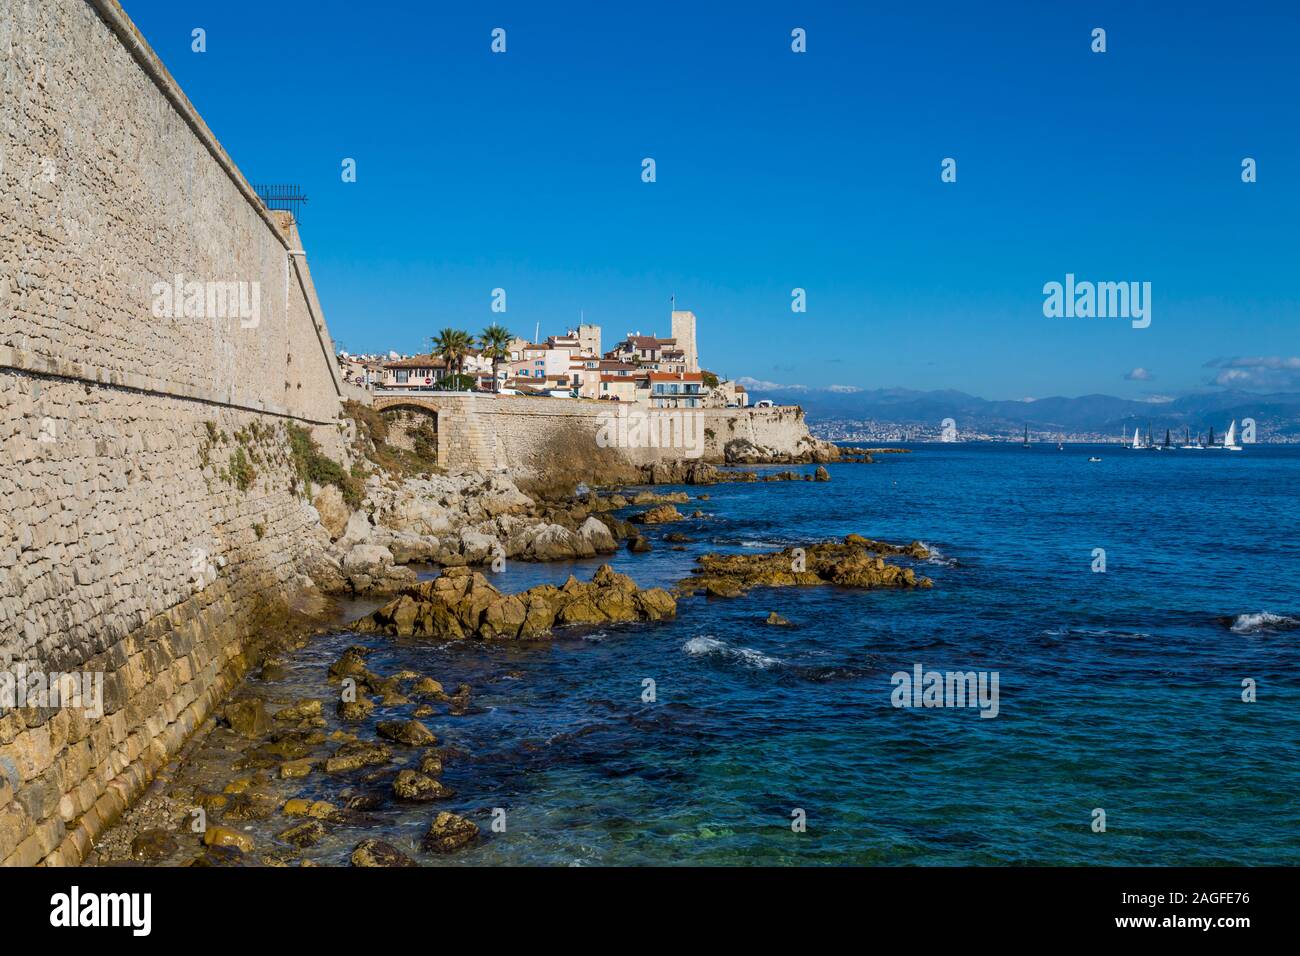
(1118, 690)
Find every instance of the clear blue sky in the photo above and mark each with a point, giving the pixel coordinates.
(778, 170)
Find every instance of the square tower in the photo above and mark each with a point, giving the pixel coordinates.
(684, 333)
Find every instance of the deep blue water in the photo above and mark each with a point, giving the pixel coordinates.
(1118, 690)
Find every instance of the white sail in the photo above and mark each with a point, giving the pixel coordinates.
(1137, 442)
(1232, 434)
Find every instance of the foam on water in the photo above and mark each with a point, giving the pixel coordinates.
(704, 646)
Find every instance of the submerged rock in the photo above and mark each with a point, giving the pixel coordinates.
(358, 709)
(302, 710)
(412, 785)
(449, 832)
(776, 620)
(461, 603)
(307, 833)
(354, 756)
(247, 717)
(150, 846)
(377, 853)
(856, 562)
(658, 515)
(409, 732)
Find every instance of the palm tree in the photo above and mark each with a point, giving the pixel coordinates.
(495, 342)
(450, 345)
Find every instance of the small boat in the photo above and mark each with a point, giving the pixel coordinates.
(1025, 444)
(1210, 443)
(1137, 441)
(1060, 447)
(1187, 441)
(1230, 440)
(1093, 458)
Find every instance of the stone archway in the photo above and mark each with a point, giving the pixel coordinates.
(412, 427)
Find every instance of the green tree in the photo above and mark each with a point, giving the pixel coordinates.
(451, 345)
(495, 343)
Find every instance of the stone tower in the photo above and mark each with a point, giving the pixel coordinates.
(589, 339)
(684, 333)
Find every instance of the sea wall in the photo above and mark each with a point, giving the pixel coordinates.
(776, 432)
(149, 516)
(530, 436)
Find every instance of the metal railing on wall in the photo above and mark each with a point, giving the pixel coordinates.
(284, 196)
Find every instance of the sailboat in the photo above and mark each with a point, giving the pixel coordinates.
(1188, 441)
(1166, 446)
(1137, 441)
(1230, 440)
(1026, 441)
(1210, 443)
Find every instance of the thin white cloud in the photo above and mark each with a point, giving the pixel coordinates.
(1138, 374)
(1258, 371)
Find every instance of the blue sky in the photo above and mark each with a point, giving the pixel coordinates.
(778, 170)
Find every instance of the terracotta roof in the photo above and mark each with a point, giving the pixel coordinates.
(417, 361)
(677, 376)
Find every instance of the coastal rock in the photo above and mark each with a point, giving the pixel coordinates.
(639, 544)
(418, 787)
(776, 620)
(150, 846)
(295, 769)
(358, 709)
(370, 568)
(658, 515)
(412, 733)
(460, 603)
(597, 536)
(334, 514)
(449, 832)
(223, 836)
(681, 472)
(821, 474)
(377, 853)
(856, 562)
(301, 710)
(316, 809)
(307, 833)
(247, 717)
(426, 685)
(651, 498)
(355, 755)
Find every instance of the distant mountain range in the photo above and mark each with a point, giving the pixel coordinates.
(1276, 415)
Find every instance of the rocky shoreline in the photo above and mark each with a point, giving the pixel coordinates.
(368, 743)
